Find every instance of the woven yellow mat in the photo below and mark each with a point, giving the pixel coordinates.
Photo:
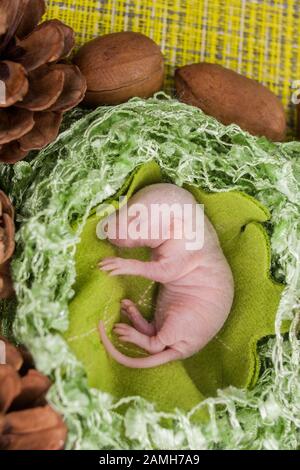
(259, 38)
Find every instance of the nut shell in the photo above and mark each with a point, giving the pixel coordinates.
(232, 98)
(119, 66)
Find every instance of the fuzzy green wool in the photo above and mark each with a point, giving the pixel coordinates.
(230, 359)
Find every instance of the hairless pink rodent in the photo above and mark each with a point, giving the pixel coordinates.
(196, 287)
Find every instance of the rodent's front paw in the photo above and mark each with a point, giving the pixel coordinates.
(115, 265)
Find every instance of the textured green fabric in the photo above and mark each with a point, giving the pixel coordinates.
(230, 359)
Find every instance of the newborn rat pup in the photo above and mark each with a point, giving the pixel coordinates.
(196, 285)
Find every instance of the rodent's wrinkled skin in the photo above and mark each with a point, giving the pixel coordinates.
(195, 295)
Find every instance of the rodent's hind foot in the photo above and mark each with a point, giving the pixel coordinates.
(127, 333)
(130, 310)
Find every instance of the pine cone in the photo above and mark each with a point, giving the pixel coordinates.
(38, 88)
(27, 422)
(7, 245)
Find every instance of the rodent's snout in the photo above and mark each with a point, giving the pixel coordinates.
(114, 229)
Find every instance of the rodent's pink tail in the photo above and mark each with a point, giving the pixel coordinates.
(137, 362)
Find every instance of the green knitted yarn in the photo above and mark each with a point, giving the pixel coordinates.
(55, 191)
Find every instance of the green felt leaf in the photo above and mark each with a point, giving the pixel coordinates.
(230, 359)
